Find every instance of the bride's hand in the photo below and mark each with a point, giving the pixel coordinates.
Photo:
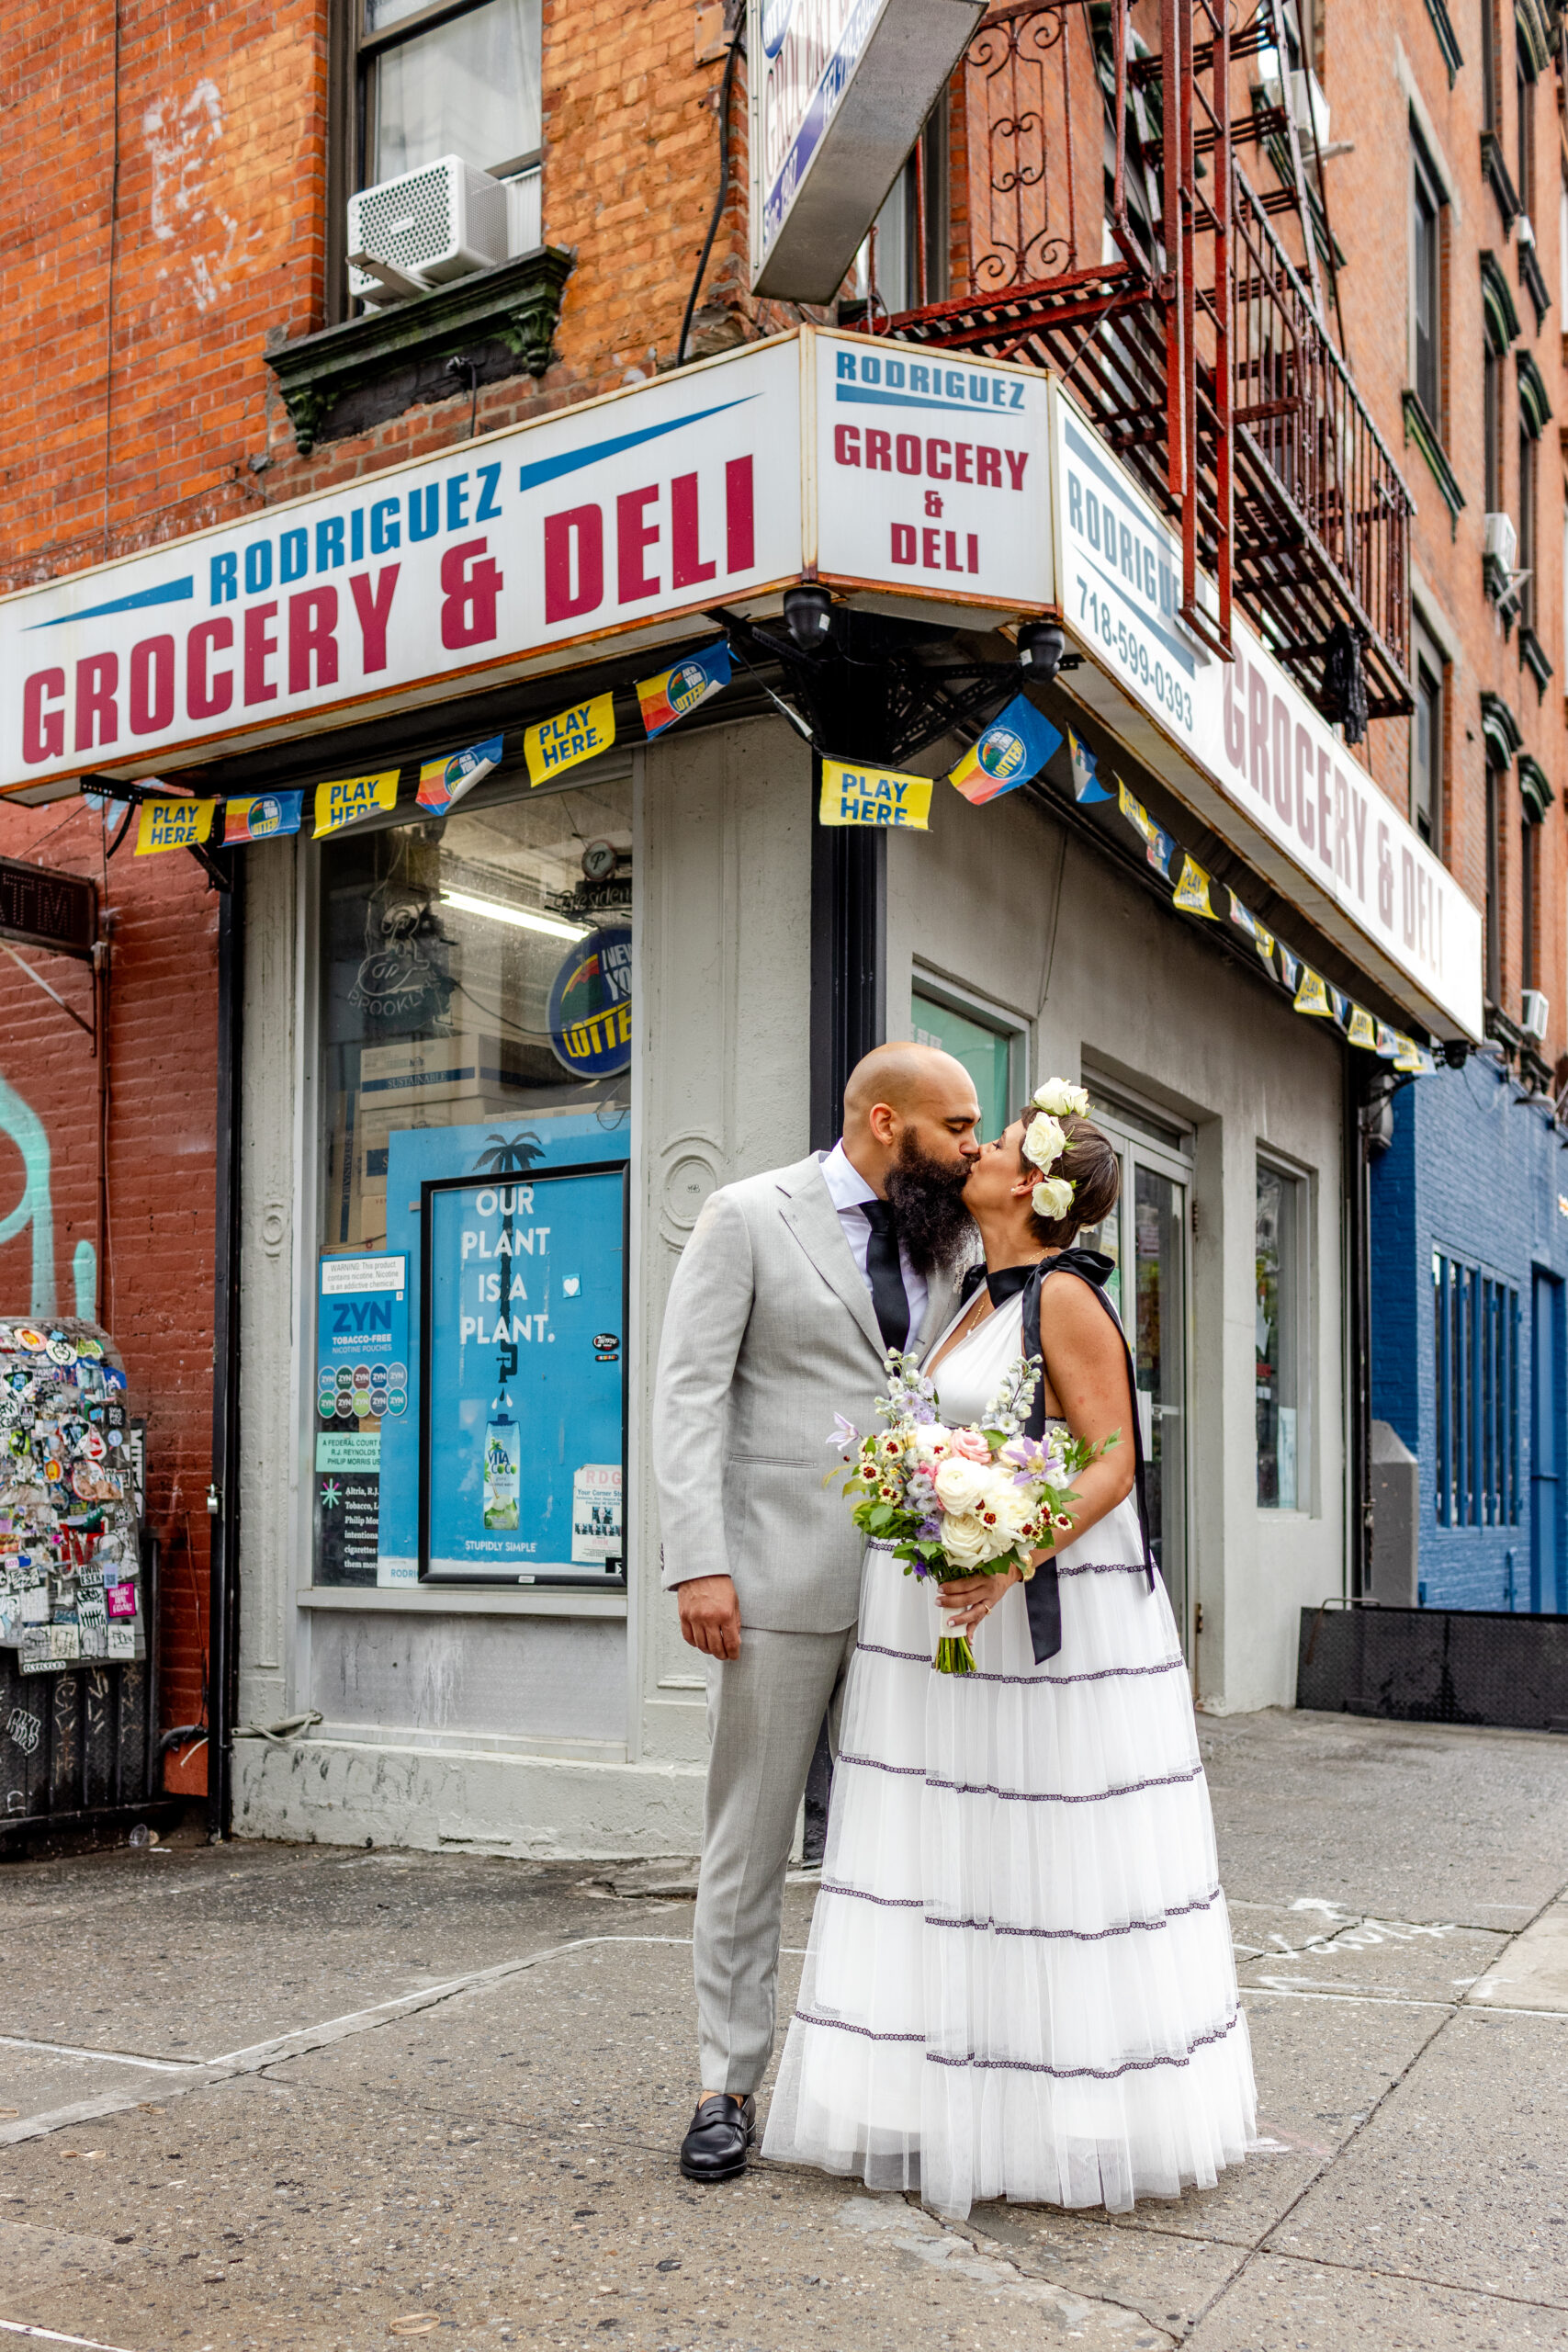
(968, 1601)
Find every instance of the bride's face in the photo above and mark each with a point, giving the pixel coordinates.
(1001, 1178)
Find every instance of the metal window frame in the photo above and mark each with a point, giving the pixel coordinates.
(363, 52)
(1426, 191)
(1301, 1276)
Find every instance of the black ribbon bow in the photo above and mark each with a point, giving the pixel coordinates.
(1043, 1593)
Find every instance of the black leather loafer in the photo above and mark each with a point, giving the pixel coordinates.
(722, 2130)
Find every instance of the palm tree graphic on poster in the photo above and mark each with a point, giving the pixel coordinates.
(506, 1155)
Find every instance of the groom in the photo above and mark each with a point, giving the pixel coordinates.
(792, 1288)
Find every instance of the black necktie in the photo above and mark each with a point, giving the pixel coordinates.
(888, 1295)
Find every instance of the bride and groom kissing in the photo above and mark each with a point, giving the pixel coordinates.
(1019, 1981)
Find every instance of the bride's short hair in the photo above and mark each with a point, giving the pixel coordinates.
(1091, 1168)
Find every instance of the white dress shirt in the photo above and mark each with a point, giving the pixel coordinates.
(848, 1189)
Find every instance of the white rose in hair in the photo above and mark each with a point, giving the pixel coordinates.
(1052, 1198)
(1043, 1141)
(967, 1541)
(959, 1487)
(1061, 1099)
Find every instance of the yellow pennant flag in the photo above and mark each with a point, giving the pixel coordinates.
(1311, 994)
(1363, 1029)
(1192, 889)
(352, 797)
(580, 734)
(172, 824)
(854, 796)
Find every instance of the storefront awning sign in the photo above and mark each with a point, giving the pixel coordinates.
(853, 794)
(1242, 746)
(839, 92)
(884, 472)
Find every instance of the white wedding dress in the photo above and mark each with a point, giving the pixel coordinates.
(1019, 1981)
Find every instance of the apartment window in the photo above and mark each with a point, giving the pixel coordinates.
(1427, 286)
(1475, 1321)
(1524, 100)
(459, 78)
(1530, 604)
(1281, 1239)
(1494, 909)
(1426, 742)
(1490, 110)
(1528, 864)
(908, 248)
(1491, 430)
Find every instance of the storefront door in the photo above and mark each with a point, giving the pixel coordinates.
(1147, 1235)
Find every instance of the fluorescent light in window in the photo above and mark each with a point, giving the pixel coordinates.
(523, 917)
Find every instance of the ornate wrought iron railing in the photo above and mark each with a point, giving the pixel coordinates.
(1193, 338)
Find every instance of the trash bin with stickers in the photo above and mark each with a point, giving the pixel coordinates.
(78, 1588)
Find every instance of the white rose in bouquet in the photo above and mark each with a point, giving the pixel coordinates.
(1013, 1509)
(960, 1484)
(967, 1541)
(932, 1442)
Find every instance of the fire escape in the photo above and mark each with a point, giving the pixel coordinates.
(1199, 347)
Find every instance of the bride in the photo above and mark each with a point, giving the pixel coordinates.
(1019, 1981)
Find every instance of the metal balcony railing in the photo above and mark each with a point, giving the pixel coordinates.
(1198, 346)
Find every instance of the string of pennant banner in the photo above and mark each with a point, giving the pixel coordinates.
(1009, 753)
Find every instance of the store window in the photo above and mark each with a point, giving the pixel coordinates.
(1476, 1347)
(991, 1052)
(456, 79)
(475, 1092)
(1280, 1253)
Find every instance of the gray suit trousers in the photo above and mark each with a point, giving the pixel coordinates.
(765, 1710)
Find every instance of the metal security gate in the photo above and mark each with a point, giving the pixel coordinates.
(79, 1748)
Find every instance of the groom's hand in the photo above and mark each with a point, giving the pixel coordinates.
(710, 1615)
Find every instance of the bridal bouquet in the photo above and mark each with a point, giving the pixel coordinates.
(960, 1502)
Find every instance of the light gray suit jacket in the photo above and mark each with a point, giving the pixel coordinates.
(769, 1331)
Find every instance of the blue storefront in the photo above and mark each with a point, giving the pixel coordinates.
(1469, 1258)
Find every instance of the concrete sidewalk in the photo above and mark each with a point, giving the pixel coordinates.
(284, 2096)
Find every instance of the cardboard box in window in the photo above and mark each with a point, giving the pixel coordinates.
(471, 1063)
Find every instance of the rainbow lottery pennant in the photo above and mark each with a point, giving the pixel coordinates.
(675, 693)
(1015, 746)
(442, 783)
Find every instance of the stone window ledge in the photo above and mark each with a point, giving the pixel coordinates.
(349, 378)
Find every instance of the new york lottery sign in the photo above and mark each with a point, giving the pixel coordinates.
(623, 518)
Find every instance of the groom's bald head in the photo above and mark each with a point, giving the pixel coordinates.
(905, 1099)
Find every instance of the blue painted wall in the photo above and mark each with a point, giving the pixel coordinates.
(1479, 1174)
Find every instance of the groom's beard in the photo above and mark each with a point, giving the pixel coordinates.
(935, 1229)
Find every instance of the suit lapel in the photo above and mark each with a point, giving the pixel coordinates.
(942, 1298)
(807, 1210)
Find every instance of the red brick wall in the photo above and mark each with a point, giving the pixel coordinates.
(156, 1288)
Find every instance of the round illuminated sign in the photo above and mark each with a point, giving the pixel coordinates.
(591, 1005)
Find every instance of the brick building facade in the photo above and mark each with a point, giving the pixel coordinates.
(185, 353)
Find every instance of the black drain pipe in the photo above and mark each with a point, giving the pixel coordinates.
(223, 1494)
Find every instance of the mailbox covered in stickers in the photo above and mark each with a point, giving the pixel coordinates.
(70, 1501)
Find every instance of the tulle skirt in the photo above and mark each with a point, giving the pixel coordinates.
(1019, 1981)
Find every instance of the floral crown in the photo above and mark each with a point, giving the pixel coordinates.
(1044, 1143)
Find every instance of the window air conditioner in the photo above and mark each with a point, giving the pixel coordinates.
(1534, 1014)
(1500, 541)
(444, 220)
